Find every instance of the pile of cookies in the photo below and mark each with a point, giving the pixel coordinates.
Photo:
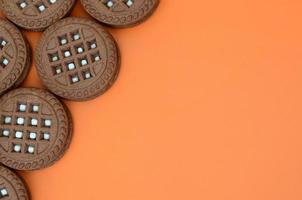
(76, 59)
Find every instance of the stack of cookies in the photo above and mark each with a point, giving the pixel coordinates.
(76, 59)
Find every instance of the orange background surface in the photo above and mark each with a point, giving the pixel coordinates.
(207, 106)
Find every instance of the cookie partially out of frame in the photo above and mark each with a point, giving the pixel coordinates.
(120, 13)
(35, 129)
(77, 59)
(12, 186)
(14, 56)
(36, 15)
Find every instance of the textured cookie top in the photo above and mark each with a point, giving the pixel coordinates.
(14, 55)
(120, 13)
(77, 59)
(34, 129)
(11, 186)
(36, 14)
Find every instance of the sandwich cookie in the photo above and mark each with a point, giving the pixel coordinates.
(35, 129)
(12, 186)
(120, 13)
(36, 15)
(14, 56)
(77, 59)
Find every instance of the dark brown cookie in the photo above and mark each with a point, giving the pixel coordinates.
(14, 56)
(36, 15)
(120, 13)
(77, 59)
(35, 129)
(12, 186)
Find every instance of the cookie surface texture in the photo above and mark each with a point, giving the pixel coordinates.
(12, 186)
(35, 129)
(120, 13)
(77, 59)
(36, 15)
(14, 56)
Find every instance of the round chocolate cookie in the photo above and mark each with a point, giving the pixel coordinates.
(120, 13)
(77, 59)
(36, 15)
(12, 186)
(14, 56)
(35, 129)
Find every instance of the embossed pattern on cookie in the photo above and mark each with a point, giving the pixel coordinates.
(35, 129)
(36, 15)
(120, 13)
(12, 186)
(77, 59)
(14, 56)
